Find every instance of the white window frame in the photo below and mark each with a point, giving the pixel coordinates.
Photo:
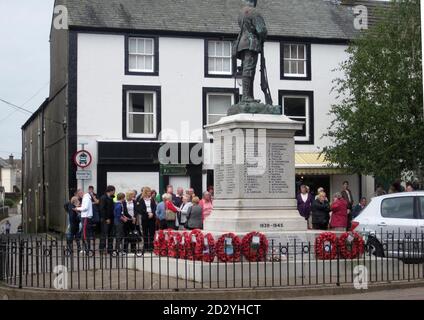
(226, 73)
(232, 95)
(290, 59)
(306, 117)
(155, 115)
(138, 54)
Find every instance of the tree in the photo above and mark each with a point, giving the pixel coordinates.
(378, 125)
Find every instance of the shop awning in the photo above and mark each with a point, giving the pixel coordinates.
(312, 163)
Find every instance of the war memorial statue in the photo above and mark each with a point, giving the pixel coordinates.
(248, 46)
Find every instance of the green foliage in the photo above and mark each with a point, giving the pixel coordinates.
(9, 203)
(378, 126)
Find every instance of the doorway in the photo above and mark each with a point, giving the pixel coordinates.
(313, 182)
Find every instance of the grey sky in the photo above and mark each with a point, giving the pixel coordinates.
(24, 65)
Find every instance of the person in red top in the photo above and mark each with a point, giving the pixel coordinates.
(339, 215)
(171, 207)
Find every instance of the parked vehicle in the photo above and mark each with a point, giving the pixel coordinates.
(393, 226)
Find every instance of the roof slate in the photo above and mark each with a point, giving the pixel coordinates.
(289, 18)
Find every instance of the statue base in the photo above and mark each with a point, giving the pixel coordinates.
(254, 107)
(246, 200)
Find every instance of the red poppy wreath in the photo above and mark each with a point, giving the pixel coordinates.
(325, 246)
(254, 246)
(228, 248)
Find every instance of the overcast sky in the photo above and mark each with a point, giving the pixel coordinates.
(24, 65)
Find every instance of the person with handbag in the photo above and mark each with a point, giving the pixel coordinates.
(145, 207)
(170, 212)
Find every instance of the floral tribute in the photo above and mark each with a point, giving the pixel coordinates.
(254, 246)
(326, 246)
(160, 246)
(228, 248)
(351, 245)
(209, 250)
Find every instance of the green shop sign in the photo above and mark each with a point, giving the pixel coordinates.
(173, 170)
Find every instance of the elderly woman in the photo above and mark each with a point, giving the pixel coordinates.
(339, 213)
(170, 212)
(206, 204)
(146, 208)
(194, 219)
(185, 206)
(320, 212)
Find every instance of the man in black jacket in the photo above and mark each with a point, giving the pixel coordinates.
(347, 195)
(106, 208)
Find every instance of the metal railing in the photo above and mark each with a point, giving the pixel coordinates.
(31, 261)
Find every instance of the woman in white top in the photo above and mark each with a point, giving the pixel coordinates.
(130, 203)
(184, 210)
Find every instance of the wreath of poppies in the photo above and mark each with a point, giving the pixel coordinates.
(182, 239)
(172, 243)
(209, 251)
(195, 248)
(351, 245)
(221, 248)
(254, 252)
(160, 246)
(325, 246)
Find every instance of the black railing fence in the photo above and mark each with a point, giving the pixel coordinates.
(31, 261)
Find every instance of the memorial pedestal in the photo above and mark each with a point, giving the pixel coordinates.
(254, 175)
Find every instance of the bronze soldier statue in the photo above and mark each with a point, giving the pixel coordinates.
(249, 44)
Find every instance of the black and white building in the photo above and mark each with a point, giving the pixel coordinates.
(128, 76)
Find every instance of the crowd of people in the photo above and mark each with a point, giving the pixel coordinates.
(337, 215)
(123, 219)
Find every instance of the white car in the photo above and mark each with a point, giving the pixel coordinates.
(393, 226)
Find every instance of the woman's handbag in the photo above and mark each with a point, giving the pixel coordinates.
(170, 215)
(123, 218)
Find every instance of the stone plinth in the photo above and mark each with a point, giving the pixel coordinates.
(254, 175)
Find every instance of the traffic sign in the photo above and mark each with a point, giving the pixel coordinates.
(83, 158)
(84, 175)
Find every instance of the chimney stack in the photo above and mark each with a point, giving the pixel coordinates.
(11, 162)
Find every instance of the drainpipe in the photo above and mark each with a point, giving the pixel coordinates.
(43, 182)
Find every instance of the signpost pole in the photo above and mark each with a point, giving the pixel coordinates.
(83, 169)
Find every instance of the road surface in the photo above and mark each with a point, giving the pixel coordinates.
(15, 220)
(397, 294)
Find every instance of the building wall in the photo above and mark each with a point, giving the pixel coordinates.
(101, 75)
(55, 163)
(56, 157)
(8, 179)
(32, 182)
(45, 149)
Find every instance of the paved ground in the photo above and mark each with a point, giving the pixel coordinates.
(15, 220)
(399, 294)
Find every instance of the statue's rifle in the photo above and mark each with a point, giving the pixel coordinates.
(264, 79)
